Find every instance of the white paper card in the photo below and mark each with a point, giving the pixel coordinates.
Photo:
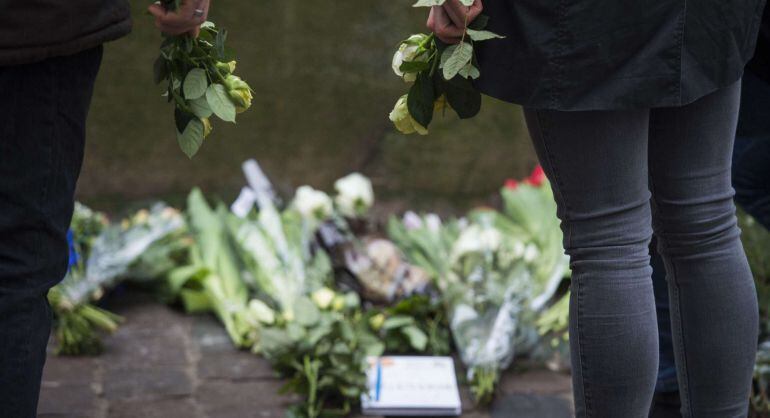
(244, 203)
(404, 385)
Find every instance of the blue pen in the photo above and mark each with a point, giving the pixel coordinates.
(378, 382)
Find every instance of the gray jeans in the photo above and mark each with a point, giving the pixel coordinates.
(618, 176)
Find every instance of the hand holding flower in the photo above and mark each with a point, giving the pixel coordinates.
(198, 70)
(176, 18)
(441, 66)
(450, 20)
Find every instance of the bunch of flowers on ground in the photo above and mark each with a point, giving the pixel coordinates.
(495, 271)
(77, 319)
(273, 277)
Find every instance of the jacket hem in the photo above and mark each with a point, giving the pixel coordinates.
(30, 55)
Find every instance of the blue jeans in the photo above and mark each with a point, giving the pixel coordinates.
(618, 176)
(751, 180)
(42, 133)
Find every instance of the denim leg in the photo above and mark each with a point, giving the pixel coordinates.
(711, 290)
(667, 368)
(597, 163)
(42, 130)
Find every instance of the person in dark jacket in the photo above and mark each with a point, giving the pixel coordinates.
(751, 181)
(632, 109)
(50, 52)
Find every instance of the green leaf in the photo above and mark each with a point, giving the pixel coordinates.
(191, 138)
(428, 3)
(470, 71)
(195, 301)
(417, 339)
(352, 300)
(219, 44)
(397, 321)
(414, 66)
(195, 84)
(228, 55)
(274, 342)
(295, 331)
(421, 98)
(200, 107)
(482, 35)
(459, 56)
(220, 103)
(182, 118)
(462, 97)
(374, 349)
(305, 312)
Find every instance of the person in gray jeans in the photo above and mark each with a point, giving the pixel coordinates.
(751, 181)
(632, 109)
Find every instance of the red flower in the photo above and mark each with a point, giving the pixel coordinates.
(537, 177)
(511, 184)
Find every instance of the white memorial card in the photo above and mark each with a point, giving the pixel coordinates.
(404, 385)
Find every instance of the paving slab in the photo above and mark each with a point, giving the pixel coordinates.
(530, 406)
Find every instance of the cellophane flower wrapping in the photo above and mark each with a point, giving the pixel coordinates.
(141, 247)
(496, 271)
(77, 321)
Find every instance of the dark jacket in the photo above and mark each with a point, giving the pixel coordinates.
(33, 30)
(615, 54)
(760, 64)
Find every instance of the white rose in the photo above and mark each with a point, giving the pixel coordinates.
(531, 253)
(403, 120)
(323, 297)
(408, 51)
(476, 239)
(491, 239)
(518, 249)
(313, 204)
(355, 195)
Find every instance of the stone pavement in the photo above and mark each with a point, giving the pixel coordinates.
(162, 363)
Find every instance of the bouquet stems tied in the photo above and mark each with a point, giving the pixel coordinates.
(76, 327)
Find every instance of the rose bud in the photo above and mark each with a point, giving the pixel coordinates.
(404, 121)
(239, 92)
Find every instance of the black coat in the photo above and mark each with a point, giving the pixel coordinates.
(33, 30)
(760, 64)
(615, 54)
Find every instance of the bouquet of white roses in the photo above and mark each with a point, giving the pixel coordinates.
(201, 82)
(441, 75)
(491, 275)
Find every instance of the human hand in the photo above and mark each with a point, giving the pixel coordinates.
(449, 20)
(186, 19)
